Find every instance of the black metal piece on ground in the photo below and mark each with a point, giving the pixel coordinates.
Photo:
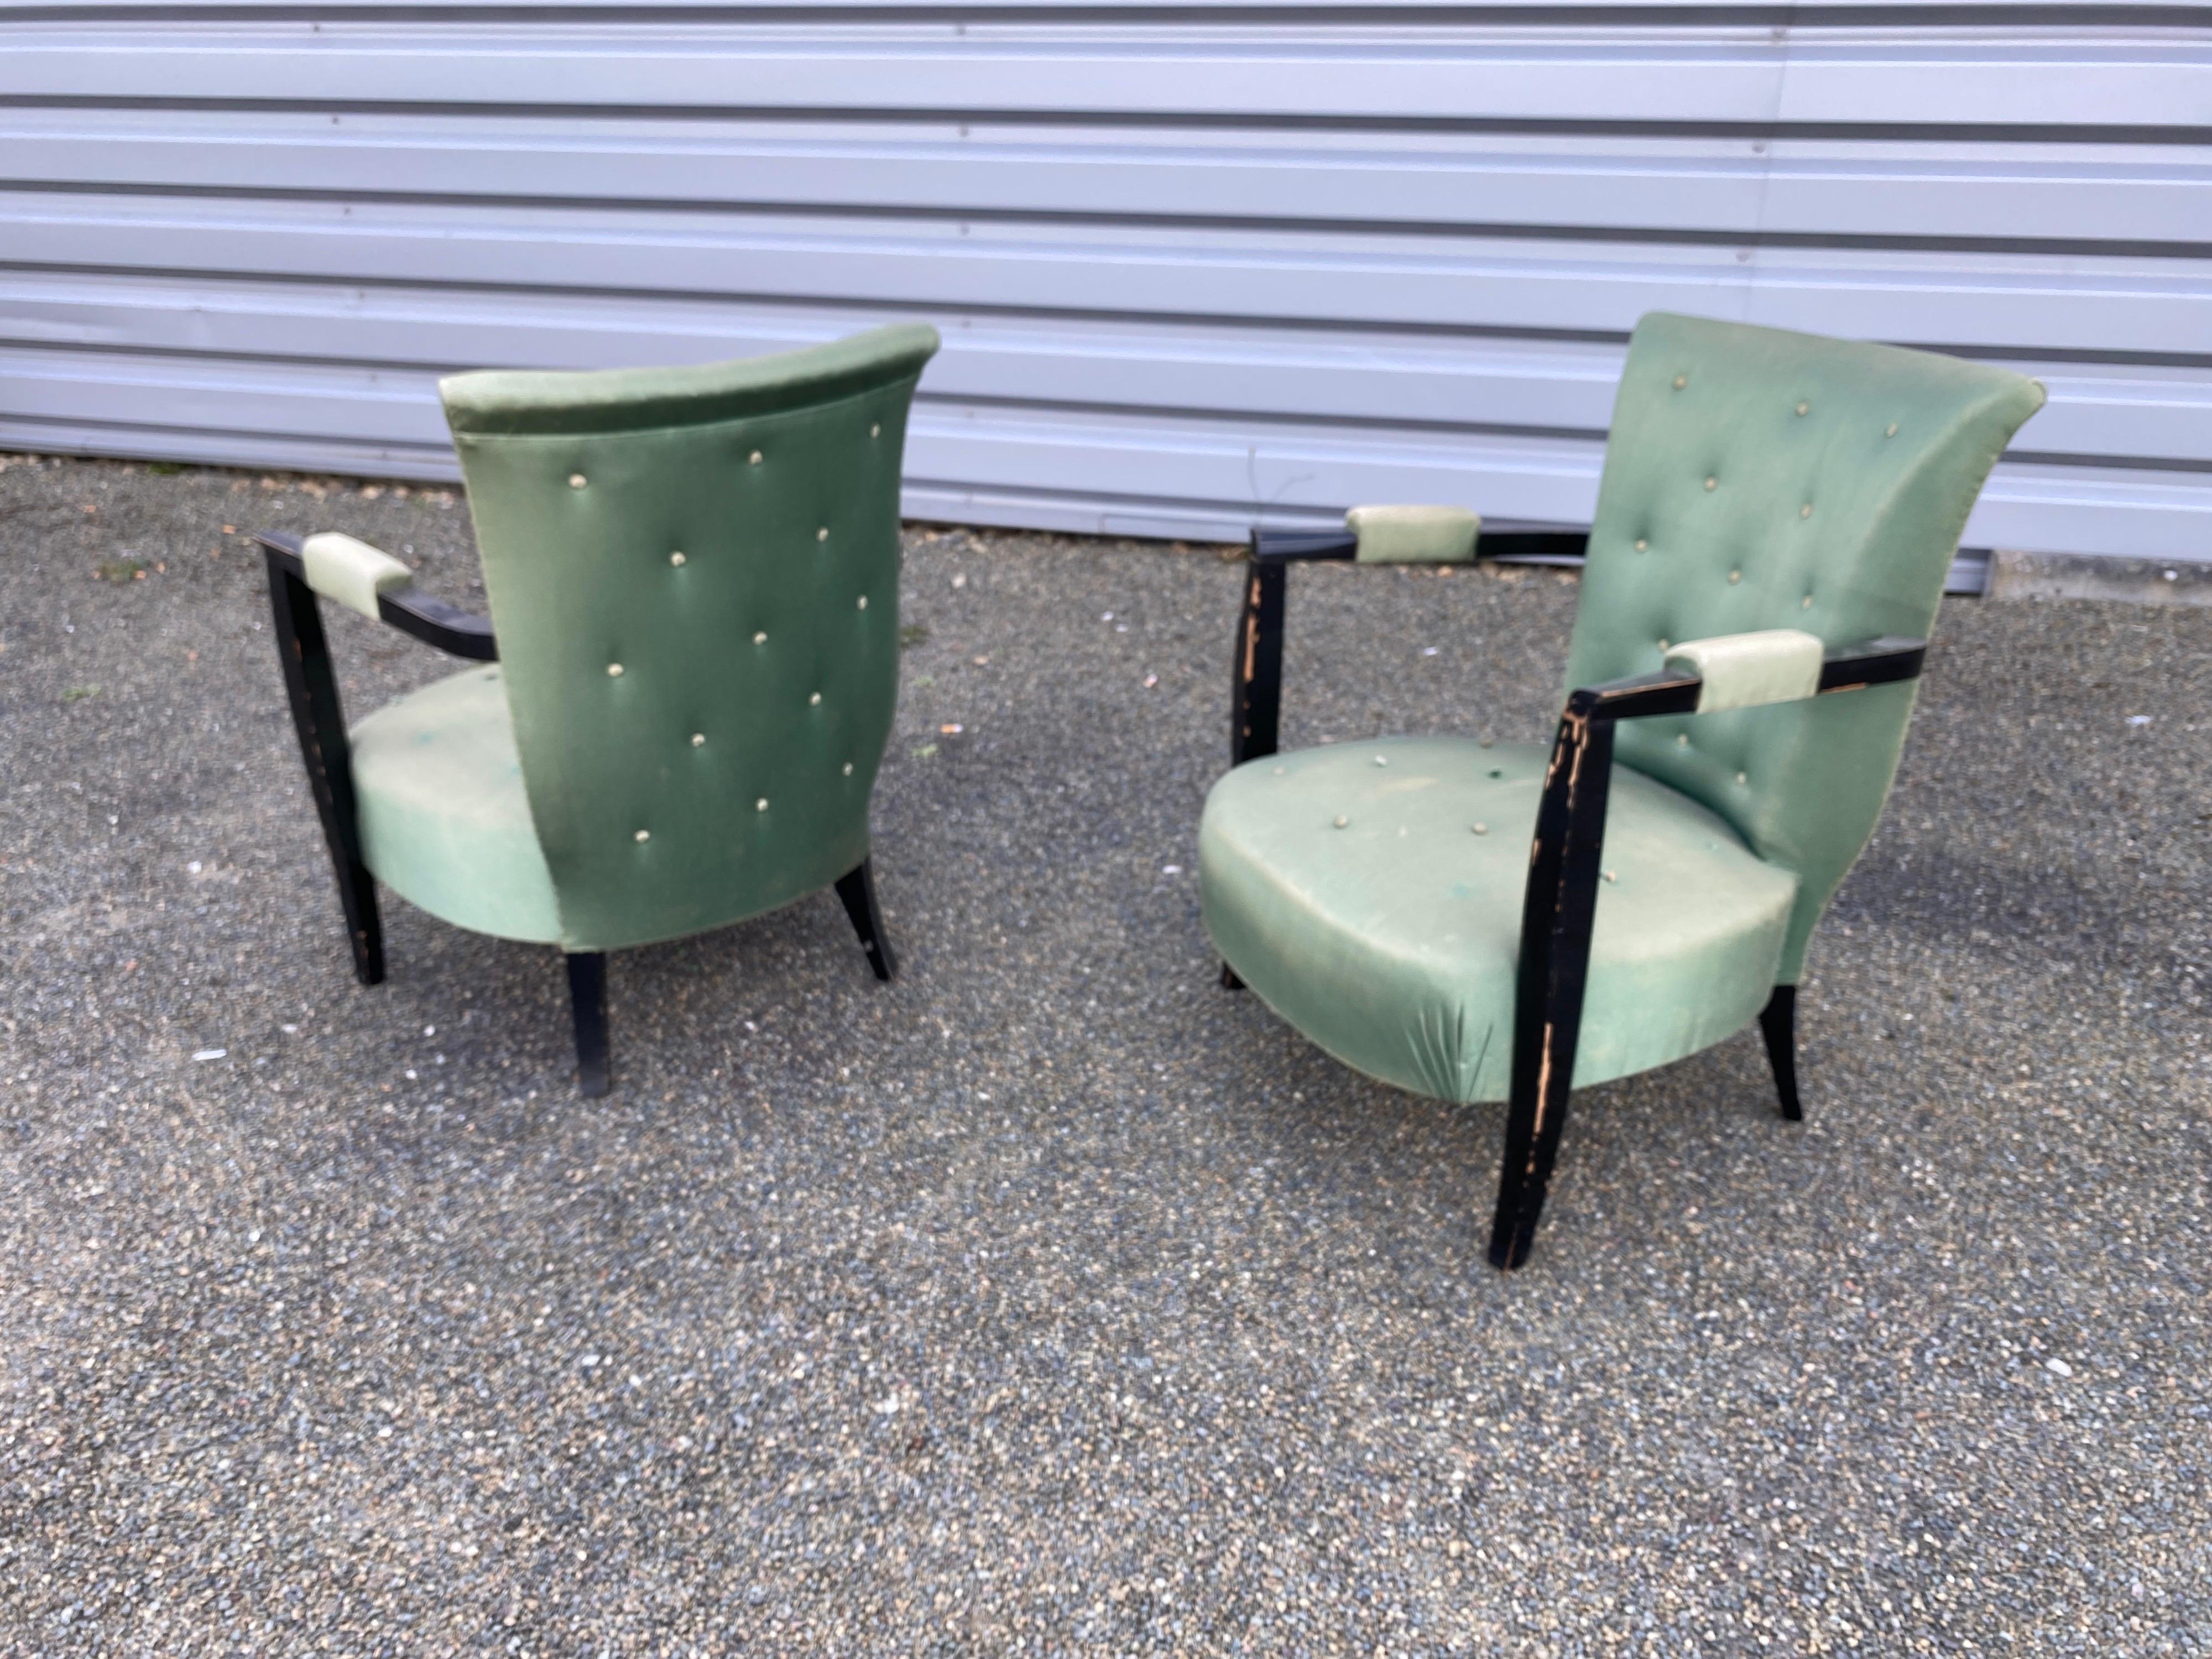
(1777, 1023)
(320, 720)
(587, 1003)
(1561, 904)
(857, 888)
(432, 621)
(1229, 980)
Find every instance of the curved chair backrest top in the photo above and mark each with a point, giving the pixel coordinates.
(1758, 479)
(693, 575)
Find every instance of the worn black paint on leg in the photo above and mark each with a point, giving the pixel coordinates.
(1256, 699)
(1557, 914)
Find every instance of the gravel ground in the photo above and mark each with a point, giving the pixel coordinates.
(1051, 1299)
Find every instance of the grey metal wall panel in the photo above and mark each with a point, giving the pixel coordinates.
(1195, 265)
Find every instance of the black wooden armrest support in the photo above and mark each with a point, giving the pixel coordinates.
(428, 619)
(1256, 699)
(1845, 668)
(1561, 904)
(319, 717)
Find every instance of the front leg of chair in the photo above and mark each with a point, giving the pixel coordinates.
(1777, 1023)
(320, 720)
(857, 888)
(1556, 918)
(588, 1004)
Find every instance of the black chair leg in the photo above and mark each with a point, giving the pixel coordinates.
(588, 999)
(1229, 980)
(313, 689)
(1778, 1022)
(1533, 1122)
(857, 888)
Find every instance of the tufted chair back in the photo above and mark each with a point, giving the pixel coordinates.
(694, 579)
(1759, 479)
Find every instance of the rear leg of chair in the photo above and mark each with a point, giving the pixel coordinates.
(1778, 1022)
(587, 1001)
(857, 888)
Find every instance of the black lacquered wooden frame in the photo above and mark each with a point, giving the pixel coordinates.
(1560, 903)
(319, 718)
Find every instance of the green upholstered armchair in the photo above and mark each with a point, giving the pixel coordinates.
(1469, 922)
(694, 584)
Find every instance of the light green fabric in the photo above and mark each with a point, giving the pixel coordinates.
(693, 575)
(1758, 479)
(350, 572)
(444, 821)
(1390, 939)
(1413, 535)
(1743, 671)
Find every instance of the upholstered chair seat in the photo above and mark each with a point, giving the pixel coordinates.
(445, 819)
(1372, 892)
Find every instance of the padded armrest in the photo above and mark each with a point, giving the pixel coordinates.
(1743, 671)
(1413, 535)
(350, 571)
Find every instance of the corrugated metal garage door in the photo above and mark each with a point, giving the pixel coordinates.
(1194, 262)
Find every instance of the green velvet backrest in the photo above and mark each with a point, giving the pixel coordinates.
(1758, 479)
(694, 579)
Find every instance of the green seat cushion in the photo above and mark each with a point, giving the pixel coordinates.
(444, 820)
(1347, 886)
